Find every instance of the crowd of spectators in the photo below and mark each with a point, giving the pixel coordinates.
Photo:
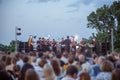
(59, 66)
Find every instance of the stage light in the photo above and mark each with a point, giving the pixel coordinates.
(75, 37)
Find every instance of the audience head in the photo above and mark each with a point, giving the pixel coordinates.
(42, 62)
(31, 75)
(8, 61)
(85, 76)
(72, 71)
(48, 72)
(81, 59)
(107, 66)
(86, 67)
(25, 59)
(115, 74)
(24, 69)
(56, 67)
(100, 59)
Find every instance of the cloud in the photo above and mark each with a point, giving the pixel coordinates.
(77, 5)
(42, 1)
(55, 17)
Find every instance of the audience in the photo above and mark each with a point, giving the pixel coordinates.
(59, 66)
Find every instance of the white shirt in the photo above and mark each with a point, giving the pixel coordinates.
(39, 71)
(20, 63)
(68, 78)
(65, 60)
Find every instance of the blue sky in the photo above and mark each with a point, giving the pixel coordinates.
(57, 18)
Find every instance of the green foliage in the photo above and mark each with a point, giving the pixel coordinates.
(7, 48)
(101, 20)
(105, 18)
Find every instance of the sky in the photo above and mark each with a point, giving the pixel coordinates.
(57, 18)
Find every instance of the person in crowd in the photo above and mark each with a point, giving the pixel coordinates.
(81, 58)
(58, 57)
(71, 73)
(67, 44)
(31, 75)
(3, 73)
(8, 63)
(40, 55)
(62, 45)
(86, 68)
(97, 65)
(106, 69)
(39, 68)
(64, 57)
(48, 73)
(82, 47)
(20, 62)
(70, 62)
(115, 74)
(16, 71)
(57, 70)
(24, 69)
(95, 59)
(33, 61)
(85, 76)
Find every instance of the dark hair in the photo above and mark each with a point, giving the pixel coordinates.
(58, 55)
(24, 69)
(25, 59)
(16, 68)
(56, 67)
(85, 76)
(71, 70)
(67, 36)
(3, 73)
(40, 54)
(115, 74)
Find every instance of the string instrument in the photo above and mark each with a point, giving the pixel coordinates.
(30, 42)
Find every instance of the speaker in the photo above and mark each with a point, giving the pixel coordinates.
(105, 47)
(23, 46)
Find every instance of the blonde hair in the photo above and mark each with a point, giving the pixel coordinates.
(107, 66)
(48, 72)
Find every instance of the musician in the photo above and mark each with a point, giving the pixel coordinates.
(39, 44)
(62, 43)
(94, 45)
(73, 45)
(30, 43)
(82, 46)
(67, 44)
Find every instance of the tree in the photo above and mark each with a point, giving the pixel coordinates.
(115, 8)
(105, 18)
